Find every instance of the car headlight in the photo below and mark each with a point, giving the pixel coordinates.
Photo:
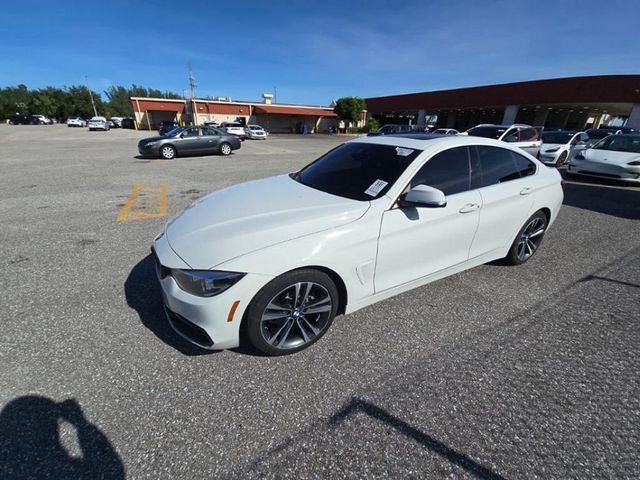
(552, 150)
(634, 163)
(205, 283)
(150, 144)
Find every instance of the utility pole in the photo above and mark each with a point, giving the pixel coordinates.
(192, 83)
(95, 112)
(275, 94)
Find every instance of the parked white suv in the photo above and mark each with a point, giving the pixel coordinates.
(234, 128)
(523, 136)
(98, 123)
(256, 132)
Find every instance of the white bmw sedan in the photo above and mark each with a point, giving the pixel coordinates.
(374, 217)
(614, 157)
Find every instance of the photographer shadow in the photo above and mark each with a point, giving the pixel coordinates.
(31, 445)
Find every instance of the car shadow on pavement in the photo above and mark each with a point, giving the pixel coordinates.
(143, 294)
(604, 198)
(32, 444)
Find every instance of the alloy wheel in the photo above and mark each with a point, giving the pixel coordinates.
(225, 149)
(530, 238)
(168, 152)
(296, 315)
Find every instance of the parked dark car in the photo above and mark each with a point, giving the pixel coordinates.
(128, 123)
(167, 125)
(21, 120)
(391, 129)
(185, 141)
(619, 129)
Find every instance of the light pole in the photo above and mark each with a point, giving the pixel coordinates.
(95, 112)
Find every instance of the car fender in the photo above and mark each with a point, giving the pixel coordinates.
(349, 250)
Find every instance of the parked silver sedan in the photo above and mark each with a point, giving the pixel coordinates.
(185, 141)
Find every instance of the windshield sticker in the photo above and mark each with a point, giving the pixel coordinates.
(376, 187)
(403, 152)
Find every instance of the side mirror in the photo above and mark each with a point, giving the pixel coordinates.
(511, 139)
(424, 196)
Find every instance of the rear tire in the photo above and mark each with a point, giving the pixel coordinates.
(291, 312)
(528, 239)
(168, 152)
(225, 149)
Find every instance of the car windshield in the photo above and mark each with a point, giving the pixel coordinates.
(486, 132)
(620, 143)
(359, 171)
(557, 137)
(173, 132)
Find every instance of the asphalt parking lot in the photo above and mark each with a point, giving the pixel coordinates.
(498, 372)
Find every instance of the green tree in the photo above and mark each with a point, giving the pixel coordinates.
(349, 109)
(119, 104)
(14, 100)
(80, 101)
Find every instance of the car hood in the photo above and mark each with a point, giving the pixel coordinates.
(610, 156)
(551, 146)
(152, 139)
(250, 216)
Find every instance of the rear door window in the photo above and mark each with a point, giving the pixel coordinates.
(529, 135)
(191, 132)
(209, 131)
(499, 165)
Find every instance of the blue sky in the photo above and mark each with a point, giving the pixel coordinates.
(314, 51)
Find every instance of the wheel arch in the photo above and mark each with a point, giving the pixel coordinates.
(547, 213)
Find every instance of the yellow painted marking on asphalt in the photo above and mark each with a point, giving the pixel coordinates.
(146, 200)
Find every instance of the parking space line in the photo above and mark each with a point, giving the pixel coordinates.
(146, 200)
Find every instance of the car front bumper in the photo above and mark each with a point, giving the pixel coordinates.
(208, 322)
(151, 150)
(604, 170)
(549, 158)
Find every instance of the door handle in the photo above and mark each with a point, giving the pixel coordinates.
(469, 207)
(526, 191)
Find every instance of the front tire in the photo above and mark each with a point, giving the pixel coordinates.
(528, 239)
(562, 159)
(225, 149)
(292, 312)
(168, 152)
